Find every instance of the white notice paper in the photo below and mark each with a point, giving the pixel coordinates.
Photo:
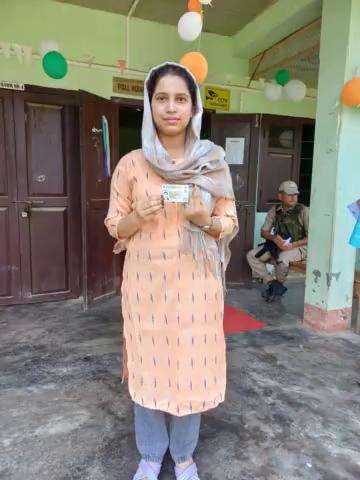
(234, 150)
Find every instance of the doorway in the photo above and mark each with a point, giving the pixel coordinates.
(40, 239)
(286, 153)
(243, 129)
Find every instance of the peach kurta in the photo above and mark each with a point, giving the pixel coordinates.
(172, 309)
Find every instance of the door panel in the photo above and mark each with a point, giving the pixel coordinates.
(49, 250)
(45, 137)
(99, 272)
(279, 156)
(48, 205)
(244, 183)
(10, 281)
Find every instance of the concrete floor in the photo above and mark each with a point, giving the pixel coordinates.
(292, 410)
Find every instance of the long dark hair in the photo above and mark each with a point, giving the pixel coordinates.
(176, 70)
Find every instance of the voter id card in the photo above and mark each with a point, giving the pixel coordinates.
(176, 193)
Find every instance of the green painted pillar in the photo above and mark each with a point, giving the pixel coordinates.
(336, 173)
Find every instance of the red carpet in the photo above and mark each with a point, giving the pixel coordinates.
(236, 321)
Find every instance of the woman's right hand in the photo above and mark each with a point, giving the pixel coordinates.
(148, 208)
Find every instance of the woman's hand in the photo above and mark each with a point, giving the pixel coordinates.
(197, 212)
(149, 208)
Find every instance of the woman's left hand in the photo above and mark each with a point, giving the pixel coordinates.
(197, 212)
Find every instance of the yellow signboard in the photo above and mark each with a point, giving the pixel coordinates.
(217, 99)
(128, 86)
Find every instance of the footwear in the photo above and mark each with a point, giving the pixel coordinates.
(147, 471)
(188, 473)
(275, 289)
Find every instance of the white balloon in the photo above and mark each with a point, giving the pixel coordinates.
(190, 26)
(273, 92)
(48, 46)
(295, 90)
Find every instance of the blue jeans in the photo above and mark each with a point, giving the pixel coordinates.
(153, 437)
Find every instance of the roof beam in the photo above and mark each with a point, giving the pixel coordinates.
(278, 21)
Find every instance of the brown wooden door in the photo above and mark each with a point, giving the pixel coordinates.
(279, 156)
(10, 279)
(233, 126)
(99, 264)
(48, 201)
(40, 197)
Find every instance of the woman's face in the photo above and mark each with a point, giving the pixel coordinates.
(171, 105)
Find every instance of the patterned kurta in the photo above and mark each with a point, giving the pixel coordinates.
(172, 309)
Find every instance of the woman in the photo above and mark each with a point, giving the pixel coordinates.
(177, 252)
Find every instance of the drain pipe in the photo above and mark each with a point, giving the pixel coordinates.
(129, 15)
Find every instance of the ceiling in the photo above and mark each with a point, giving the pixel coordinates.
(224, 17)
(298, 53)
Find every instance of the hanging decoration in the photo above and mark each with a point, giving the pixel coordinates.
(295, 90)
(48, 46)
(55, 65)
(273, 91)
(106, 146)
(282, 88)
(195, 6)
(350, 94)
(22, 52)
(27, 52)
(6, 49)
(53, 62)
(122, 65)
(282, 77)
(197, 64)
(190, 26)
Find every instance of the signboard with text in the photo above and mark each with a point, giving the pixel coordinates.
(217, 99)
(128, 86)
(11, 85)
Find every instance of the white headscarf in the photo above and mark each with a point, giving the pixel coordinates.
(204, 165)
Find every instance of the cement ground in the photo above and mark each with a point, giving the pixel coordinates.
(292, 410)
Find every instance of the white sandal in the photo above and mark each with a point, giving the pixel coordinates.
(146, 471)
(189, 473)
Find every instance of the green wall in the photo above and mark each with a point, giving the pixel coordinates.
(84, 32)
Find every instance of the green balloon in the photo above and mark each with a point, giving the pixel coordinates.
(282, 77)
(55, 65)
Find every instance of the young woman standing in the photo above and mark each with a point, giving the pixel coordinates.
(177, 253)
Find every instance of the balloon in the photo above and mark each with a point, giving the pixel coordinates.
(48, 46)
(190, 26)
(197, 64)
(194, 6)
(282, 77)
(295, 90)
(55, 65)
(273, 92)
(350, 94)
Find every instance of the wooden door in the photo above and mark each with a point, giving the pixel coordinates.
(99, 264)
(48, 195)
(10, 279)
(245, 127)
(279, 156)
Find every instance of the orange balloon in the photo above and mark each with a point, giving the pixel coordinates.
(197, 64)
(194, 6)
(350, 94)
